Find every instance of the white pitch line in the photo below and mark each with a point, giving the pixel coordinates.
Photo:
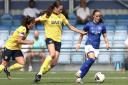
(114, 78)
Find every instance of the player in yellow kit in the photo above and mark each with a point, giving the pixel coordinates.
(53, 20)
(12, 48)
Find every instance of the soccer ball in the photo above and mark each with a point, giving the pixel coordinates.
(99, 77)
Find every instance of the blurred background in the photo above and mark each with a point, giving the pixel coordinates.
(115, 15)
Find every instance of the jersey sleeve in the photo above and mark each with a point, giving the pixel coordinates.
(103, 29)
(86, 27)
(43, 17)
(65, 21)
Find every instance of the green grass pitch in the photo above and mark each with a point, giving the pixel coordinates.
(63, 78)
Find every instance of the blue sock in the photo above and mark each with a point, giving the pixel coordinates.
(86, 66)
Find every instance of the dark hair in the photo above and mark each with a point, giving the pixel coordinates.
(101, 18)
(27, 20)
(50, 8)
(31, 3)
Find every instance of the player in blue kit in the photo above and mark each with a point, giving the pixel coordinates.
(94, 29)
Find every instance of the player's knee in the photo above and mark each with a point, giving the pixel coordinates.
(91, 55)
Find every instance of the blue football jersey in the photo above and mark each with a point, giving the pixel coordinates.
(94, 33)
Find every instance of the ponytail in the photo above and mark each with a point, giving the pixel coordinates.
(50, 9)
(27, 20)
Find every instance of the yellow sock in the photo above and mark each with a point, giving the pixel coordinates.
(45, 64)
(2, 68)
(47, 69)
(15, 66)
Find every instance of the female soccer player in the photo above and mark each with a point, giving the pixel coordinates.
(12, 48)
(94, 29)
(53, 20)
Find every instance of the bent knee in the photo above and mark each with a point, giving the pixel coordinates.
(91, 55)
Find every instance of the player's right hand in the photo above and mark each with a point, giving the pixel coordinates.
(77, 47)
(32, 42)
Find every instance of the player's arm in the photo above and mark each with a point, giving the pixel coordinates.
(75, 29)
(41, 18)
(80, 39)
(65, 22)
(21, 40)
(79, 42)
(104, 33)
(37, 19)
(106, 40)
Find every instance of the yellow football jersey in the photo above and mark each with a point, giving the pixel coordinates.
(53, 25)
(11, 43)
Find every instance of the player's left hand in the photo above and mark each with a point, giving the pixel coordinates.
(77, 47)
(107, 46)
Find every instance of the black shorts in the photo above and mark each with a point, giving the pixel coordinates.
(11, 54)
(51, 41)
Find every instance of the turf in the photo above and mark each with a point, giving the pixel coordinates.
(63, 78)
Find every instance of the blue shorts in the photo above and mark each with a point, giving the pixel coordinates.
(56, 44)
(11, 54)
